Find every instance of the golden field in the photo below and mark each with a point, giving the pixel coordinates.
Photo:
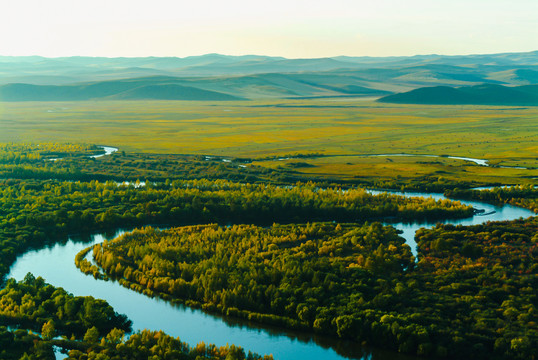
(341, 128)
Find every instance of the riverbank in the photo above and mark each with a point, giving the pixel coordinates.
(195, 325)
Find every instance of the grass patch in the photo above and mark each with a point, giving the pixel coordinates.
(259, 129)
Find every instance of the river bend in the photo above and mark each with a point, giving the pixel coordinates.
(56, 265)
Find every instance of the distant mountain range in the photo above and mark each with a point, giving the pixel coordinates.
(221, 77)
(486, 94)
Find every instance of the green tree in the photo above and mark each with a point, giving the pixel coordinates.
(92, 335)
(48, 331)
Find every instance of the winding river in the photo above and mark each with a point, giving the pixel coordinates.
(56, 265)
(480, 162)
(108, 151)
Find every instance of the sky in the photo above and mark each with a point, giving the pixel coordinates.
(289, 28)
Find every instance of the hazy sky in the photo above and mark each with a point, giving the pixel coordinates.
(290, 28)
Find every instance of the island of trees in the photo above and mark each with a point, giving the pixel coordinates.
(471, 294)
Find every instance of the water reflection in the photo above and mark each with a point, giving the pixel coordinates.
(491, 213)
(55, 263)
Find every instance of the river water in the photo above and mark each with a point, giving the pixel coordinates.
(56, 265)
(108, 151)
(480, 162)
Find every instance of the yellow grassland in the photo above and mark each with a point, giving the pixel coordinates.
(506, 136)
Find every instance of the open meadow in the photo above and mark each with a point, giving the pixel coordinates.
(271, 131)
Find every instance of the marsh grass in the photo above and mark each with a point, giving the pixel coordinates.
(506, 136)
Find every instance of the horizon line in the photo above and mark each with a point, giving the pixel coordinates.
(268, 56)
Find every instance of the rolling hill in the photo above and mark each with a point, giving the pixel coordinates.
(135, 89)
(485, 94)
(171, 92)
(196, 88)
(254, 77)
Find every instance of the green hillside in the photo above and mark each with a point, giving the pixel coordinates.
(485, 94)
(156, 88)
(197, 88)
(171, 92)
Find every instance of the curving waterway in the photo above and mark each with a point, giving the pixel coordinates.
(56, 265)
(108, 150)
(480, 162)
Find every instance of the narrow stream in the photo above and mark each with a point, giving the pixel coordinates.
(480, 162)
(108, 151)
(56, 265)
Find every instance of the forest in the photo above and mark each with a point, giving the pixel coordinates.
(257, 243)
(32, 304)
(40, 312)
(523, 195)
(35, 212)
(19, 153)
(471, 293)
(28, 161)
(85, 328)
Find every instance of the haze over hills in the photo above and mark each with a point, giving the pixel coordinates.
(172, 88)
(222, 77)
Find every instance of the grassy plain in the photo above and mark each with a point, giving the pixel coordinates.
(505, 136)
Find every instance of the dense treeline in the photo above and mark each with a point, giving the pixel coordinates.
(523, 195)
(32, 303)
(437, 184)
(22, 344)
(472, 294)
(37, 153)
(51, 312)
(25, 162)
(157, 345)
(89, 329)
(34, 212)
(486, 276)
(253, 269)
(28, 162)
